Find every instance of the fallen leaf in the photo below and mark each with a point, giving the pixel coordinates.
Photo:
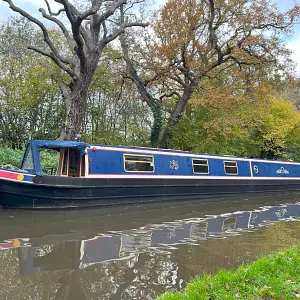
(227, 287)
(289, 282)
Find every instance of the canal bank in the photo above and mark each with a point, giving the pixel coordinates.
(276, 276)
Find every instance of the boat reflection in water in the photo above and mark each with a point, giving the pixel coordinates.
(152, 238)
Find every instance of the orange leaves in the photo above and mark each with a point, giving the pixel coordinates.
(177, 27)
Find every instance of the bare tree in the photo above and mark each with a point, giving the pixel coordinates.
(86, 34)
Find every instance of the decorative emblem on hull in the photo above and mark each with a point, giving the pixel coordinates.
(174, 165)
(282, 170)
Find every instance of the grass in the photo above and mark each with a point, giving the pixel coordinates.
(272, 277)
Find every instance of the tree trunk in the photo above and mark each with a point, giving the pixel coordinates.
(76, 99)
(153, 103)
(176, 114)
(156, 109)
(76, 106)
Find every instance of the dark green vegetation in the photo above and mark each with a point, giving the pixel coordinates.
(272, 277)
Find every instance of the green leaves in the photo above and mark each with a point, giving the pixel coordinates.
(224, 122)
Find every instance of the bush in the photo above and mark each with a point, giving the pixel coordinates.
(11, 157)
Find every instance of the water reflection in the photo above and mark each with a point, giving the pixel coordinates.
(136, 263)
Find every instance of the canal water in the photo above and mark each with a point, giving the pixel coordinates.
(138, 252)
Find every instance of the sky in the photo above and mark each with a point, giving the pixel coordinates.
(32, 7)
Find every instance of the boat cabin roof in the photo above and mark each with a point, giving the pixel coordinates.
(79, 146)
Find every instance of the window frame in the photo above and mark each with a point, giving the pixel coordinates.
(140, 155)
(207, 164)
(236, 166)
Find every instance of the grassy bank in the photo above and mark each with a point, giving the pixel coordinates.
(272, 277)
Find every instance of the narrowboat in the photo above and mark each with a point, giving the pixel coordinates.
(94, 175)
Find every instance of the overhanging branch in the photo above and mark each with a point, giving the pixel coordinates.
(43, 28)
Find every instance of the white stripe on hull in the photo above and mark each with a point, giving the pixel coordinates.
(189, 177)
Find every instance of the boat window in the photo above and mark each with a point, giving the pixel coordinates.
(49, 159)
(231, 167)
(28, 160)
(200, 166)
(138, 163)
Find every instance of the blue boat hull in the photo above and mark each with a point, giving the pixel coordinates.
(59, 192)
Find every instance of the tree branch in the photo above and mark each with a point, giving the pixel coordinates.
(55, 59)
(43, 28)
(63, 29)
(52, 13)
(121, 30)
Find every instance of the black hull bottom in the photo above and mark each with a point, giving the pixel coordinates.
(54, 192)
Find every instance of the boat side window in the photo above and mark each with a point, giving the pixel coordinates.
(231, 167)
(49, 159)
(200, 166)
(28, 160)
(138, 163)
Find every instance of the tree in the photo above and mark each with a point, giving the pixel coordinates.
(91, 30)
(196, 40)
(256, 124)
(114, 115)
(30, 101)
